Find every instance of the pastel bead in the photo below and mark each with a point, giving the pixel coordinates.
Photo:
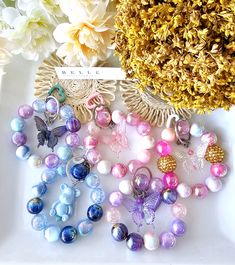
(156, 185)
(66, 112)
(163, 148)
(116, 198)
(170, 180)
(168, 134)
(103, 117)
(35, 161)
(144, 128)
(80, 171)
(200, 191)
(148, 142)
(151, 241)
(97, 195)
(85, 227)
(61, 170)
(196, 130)
(52, 233)
(93, 129)
(19, 138)
(133, 119)
(39, 106)
(144, 156)
(17, 124)
(169, 196)
(141, 182)
(93, 156)
(73, 125)
(23, 152)
(72, 140)
(167, 240)
(49, 176)
(104, 167)
(25, 112)
(119, 232)
(39, 222)
(209, 138)
(219, 170)
(183, 127)
(64, 153)
(214, 184)
(113, 215)
(95, 212)
(118, 116)
(179, 210)
(178, 227)
(52, 106)
(184, 190)
(134, 242)
(125, 187)
(90, 142)
(119, 170)
(39, 190)
(133, 165)
(92, 180)
(52, 161)
(35, 205)
(68, 234)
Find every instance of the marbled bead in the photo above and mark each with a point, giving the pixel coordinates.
(35, 205)
(49, 176)
(19, 138)
(170, 180)
(116, 198)
(167, 240)
(61, 170)
(113, 215)
(90, 142)
(85, 227)
(94, 212)
(169, 196)
(144, 128)
(92, 180)
(132, 119)
(17, 124)
(64, 153)
(52, 161)
(178, 227)
(134, 242)
(72, 140)
(52, 106)
(97, 195)
(93, 156)
(73, 125)
(93, 129)
(179, 210)
(35, 161)
(39, 222)
(25, 112)
(219, 170)
(23, 152)
(66, 112)
(119, 232)
(80, 171)
(52, 233)
(119, 170)
(68, 234)
(40, 189)
(200, 191)
(39, 106)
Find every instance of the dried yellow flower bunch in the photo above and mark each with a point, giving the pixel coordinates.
(184, 50)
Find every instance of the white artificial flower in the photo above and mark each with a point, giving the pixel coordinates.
(5, 55)
(87, 39)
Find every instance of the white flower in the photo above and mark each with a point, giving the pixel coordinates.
(29, 34)
(5, 55)
(87, 39)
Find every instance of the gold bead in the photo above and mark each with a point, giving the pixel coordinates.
(166, 163)
(214, 154)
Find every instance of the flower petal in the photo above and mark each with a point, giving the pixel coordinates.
(61, 33)
(9, 14)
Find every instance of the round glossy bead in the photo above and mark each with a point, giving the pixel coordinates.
(119, 232)
(93, 129)
(214, 184)
(52, 233)
(184, 190)
(196, 130)
(118, 116)
(68, 234)
(19, 138)
(169, 196)
(163, 148)
(90, 142)
(39, 222)
(168, 134)
(144, 128)
(85, 227)
(52, 106)
(98, 195)
(179, 210)
(144, 156)
(35, 205)
(35, 161)
(133, 119)
(25, 112)
(178, 227)
(92, 180)
(72, 140)
(94, 212)
(151, 241)
(209, 138)
(167, 240)
(113, 215)
(66, 112)
(93, 156)
(39, 106)
(73, 125)
(125, 187)
(80, 171)
(49, 176)
(156, 185)
(183, 127)
(17, 124)
(116, 198)
(200, 191)
(141, 182)
(133, 165)
(104, 167)
(52, 161)
(23, 152)
(103, 117)
(219, 170)
(119, 170)
(61, 170)
(40, 189)
(64, 153)
(134, 242)
(170, 180)
(148, 142)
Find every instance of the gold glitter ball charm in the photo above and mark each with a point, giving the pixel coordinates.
(214, 154)
(166, 164)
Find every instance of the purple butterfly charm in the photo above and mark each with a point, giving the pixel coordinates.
(45, 135)
(143, 209)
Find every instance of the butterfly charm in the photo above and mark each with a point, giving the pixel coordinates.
(143, 209)
(45, 135)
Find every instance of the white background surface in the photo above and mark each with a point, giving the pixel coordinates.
(210, 238)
